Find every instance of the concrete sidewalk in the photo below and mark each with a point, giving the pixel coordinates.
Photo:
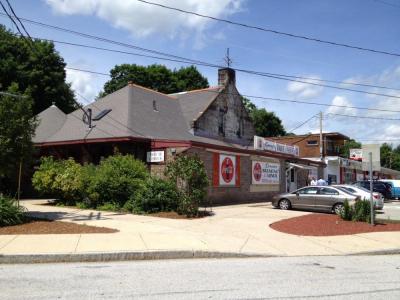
(240, 229)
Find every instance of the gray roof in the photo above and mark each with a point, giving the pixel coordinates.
(132, 115)
(195, 103)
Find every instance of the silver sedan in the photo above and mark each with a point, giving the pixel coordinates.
(318, 198)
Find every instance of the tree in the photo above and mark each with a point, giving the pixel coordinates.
(350, 144)
(17, 126)
(36, 67)
(155, 77)
(265, 123)
(386, 155)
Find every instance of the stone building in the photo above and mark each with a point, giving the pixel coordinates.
(155, 127)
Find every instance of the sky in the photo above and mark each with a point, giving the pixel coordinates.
(373, 24)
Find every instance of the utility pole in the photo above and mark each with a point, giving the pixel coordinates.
(321, 148)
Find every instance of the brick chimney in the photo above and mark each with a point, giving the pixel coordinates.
(226, 76)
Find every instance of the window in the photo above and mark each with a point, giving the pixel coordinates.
(312, 143)
(309, 191)
(221, 122)
(328, 191)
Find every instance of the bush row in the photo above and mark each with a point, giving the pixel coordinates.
(121, 182)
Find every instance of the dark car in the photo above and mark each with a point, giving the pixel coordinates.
(377, 186)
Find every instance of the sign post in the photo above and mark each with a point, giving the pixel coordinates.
(371, 162)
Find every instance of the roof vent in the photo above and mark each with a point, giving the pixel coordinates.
(101, 114)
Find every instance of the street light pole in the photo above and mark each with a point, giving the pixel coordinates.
(371, 188)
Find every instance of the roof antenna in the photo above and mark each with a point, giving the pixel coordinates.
(228, 59)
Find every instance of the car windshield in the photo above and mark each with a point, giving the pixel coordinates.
(363, 189)
(345, 190)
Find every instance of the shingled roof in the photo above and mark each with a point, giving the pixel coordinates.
(195, 103)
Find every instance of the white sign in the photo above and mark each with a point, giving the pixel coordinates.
(356, 154)
(266, 145)
(227, 169)
(155, 156)
(375, 149)
(265, 172)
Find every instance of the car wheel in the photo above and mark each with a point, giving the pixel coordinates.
(284, 204)
(338, 208)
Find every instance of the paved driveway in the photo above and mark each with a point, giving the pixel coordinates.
(239, 228)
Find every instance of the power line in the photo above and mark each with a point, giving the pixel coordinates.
(211, 65)
(303, 123)
(262, 97)
(264, 29)
(15, 15)
(388, 3)
(12, 95)
(197, 62)
(364, 117)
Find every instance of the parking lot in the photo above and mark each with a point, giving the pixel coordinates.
(391, 211)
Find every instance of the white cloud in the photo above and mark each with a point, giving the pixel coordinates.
(83, 84)
(341, 102)
(305, 90)
(143, 19)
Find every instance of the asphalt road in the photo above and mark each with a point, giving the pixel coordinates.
(351, 277)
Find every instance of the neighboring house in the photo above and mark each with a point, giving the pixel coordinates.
(339, 169)
(212, 123)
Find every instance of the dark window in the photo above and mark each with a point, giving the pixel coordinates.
(101, 114)
(312, 143)
(309, 191)
(291, 175)
(221, 122)
(328, 191)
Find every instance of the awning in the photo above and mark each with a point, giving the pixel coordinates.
(304, 167)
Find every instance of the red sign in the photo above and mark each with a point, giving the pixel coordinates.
(227, 170)
(257, 171)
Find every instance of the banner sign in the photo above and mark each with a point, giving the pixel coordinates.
(266, 145)
(155, 156)
(265, 172)
(226, 170)
(356, 154)
(376, 157)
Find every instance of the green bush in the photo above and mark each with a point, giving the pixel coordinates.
(62, 179)
(10, 212)
(189, 174)
(359, 212)
(157, 195)
(346, 213)
(116, 179)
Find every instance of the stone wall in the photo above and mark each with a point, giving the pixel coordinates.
(237, 127)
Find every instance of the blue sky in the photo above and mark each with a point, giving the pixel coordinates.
(366, 23)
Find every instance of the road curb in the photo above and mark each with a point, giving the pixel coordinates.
(118, 256)
(378, 252)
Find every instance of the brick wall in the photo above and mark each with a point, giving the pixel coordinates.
(244, 193)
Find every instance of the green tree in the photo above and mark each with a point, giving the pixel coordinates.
(17, 126)
(155, 77)
(38, 68)
(266, 123)
(350, 144)
(250, 106)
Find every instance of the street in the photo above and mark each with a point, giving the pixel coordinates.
(328, 277)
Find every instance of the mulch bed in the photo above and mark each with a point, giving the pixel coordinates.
(175, 215)
(36, 226)
(328, 225)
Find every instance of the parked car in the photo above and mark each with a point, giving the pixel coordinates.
(395, 187)
(364, 194)
(321, 198)
(377, 186)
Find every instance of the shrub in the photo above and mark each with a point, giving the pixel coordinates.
(116, 179)
(157, 195)
(346, 213)
(44, 177)
(10, 212)
(189, 174)
(360, 211)
(62, 179)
